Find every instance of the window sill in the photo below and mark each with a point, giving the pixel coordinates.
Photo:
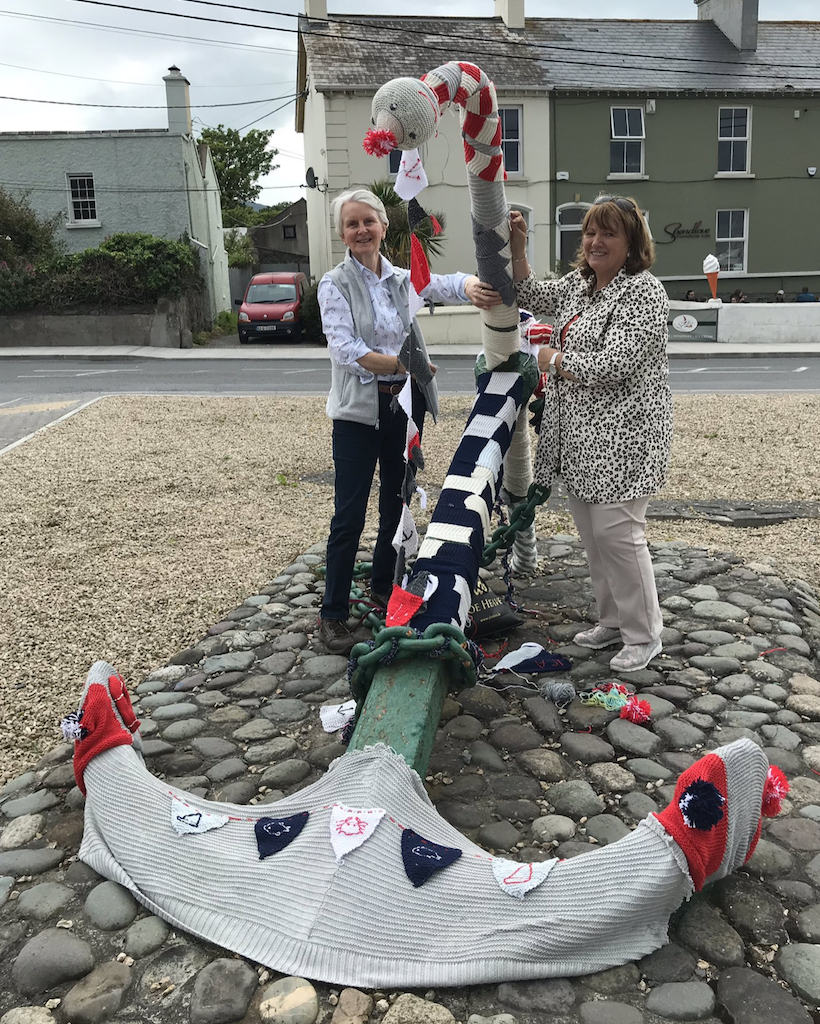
(72, 225)
(734, 174)
(627, 177)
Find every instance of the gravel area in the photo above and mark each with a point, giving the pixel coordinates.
(130, 528)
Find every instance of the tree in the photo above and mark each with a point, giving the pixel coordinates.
(247, 217)
(397, 239)
(24, 237)
(240, 249)
(240, 161)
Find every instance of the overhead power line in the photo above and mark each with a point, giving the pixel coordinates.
(428, 47)
(147, 85)
(150, 106)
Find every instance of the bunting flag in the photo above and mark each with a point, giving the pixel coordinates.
(349, 828)
(518, 879)
(274, 834)
(423, 858)
(409, 598)
(336, 716)
(406, 537)
(411, 177)
(186, 819)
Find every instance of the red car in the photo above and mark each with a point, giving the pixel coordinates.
(271, 308)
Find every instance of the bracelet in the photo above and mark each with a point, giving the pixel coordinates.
(522, 260)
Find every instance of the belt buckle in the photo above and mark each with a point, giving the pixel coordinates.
(396, 387)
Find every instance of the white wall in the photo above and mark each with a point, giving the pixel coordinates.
(769, 323)
(347, 119)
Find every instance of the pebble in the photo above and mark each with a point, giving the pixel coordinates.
(238, 710)
(289, 1001)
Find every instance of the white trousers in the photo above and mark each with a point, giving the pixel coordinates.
(620, 566)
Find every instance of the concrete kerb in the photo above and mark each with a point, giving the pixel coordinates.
(285, 353)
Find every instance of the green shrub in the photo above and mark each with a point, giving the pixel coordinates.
(18, 287)
(240, 249)
(226, 322)
(23, 235)
(311, 317)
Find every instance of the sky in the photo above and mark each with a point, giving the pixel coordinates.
(92, 53)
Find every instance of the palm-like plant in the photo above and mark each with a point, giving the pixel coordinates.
(397, 240)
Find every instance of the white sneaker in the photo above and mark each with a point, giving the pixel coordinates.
(634, 657)
(597, 637)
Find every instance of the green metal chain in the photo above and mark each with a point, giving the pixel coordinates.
(521, 519)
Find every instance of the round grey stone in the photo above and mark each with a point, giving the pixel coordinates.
(735, 685)
(21, 831)
(160, 700)
(185, 730)
(213, 746)
(145, 936)
(808, 924)
(286, 709)
(255, 686)
(236, 661)
(606, 1012)
(703, 930)
(482, 702)
(255, 731)
(753, 911)
(6, 886)
(482, 755)
(585, 747)
(749, 998)
(545, 765)
(611, 778)
(276, 749)
(44, 900)
(172, 712)
(649, 771)
(634, 739)
(702, 592)
(499, 835)
(29, 862)
(284, 774)
(606, 828)
(737, 650)
(464, 727)
(714, 665)
(669, 963)
(799, 964)
(660, 708)
(682, 1000)
(515, 738)
(553, 828)
(328, 665)
(576, 799)
(637, 805)
(555, 997)
(278, 664)
(33, 803)
(99, 995)
(50, 958)
(110, 906)
(222, 992)
(770, 860)
(678, 734)
(718, 611)
(289, 1001)
(28, 1015)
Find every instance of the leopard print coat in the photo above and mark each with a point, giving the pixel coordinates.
(609, 434)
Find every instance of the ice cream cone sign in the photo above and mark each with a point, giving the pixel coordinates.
(711, 268)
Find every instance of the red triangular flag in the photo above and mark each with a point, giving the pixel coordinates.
(402, 606)
(419, 267)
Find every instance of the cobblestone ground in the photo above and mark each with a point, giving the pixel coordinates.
(235, 718)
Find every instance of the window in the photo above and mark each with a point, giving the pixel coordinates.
(394, 159)
(511, 139)
(569, 219)
(82, 199)
(732, 239)
(271, 293)
(733, 140)
(626, 145)
(289, 231)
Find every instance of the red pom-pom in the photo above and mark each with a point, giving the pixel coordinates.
(379, 142)
(637, 711)
(777, 786)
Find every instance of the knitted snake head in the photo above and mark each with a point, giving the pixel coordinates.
(715, 814)
(405, 114)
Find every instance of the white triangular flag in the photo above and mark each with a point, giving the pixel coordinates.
(336, 716)
(414, 301)
(186, 819)
(350, 827)
(518, 879)
(405, 398)
(410, 179)
(406, 536)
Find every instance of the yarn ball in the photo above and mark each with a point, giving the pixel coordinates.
(776, 787)
(701, 805)
(560, 693)
(409, 109)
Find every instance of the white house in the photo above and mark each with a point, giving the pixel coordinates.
(341, 64)
(158, 180)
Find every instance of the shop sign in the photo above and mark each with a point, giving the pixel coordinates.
(693, 325)
(677, 230)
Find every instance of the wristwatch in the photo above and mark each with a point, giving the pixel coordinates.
(552, 369)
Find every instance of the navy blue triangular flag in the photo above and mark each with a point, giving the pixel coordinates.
(274, 834)
(422, 858)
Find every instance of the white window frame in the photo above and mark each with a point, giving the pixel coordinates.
(560, 229)
(519, 141)
(83, 222)
(744, 238)
(627, 175)
(747, 138)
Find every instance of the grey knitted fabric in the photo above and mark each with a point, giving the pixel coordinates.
(362, 922)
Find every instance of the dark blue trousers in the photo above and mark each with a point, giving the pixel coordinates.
(356, 450)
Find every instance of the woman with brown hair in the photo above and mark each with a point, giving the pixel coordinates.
(607, 425)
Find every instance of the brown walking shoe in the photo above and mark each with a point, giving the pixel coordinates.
(338, 639)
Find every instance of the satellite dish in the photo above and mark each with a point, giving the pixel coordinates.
(310, 178)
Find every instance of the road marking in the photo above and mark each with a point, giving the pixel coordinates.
(800, 369)
(65, 416)
(38, 407)
(45, 374)
(11, 401)
(288, 373)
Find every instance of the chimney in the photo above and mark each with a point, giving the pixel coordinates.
(179, 102)
(736, 19)
(511, 12)
(316, 9)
